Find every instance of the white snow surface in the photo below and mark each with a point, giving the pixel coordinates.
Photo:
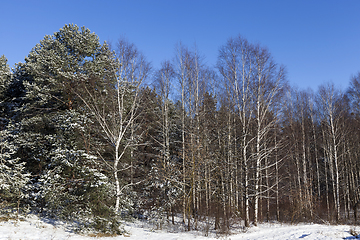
(34, 228)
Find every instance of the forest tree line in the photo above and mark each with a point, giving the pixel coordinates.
(90, 132)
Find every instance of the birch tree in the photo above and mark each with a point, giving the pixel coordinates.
(235, 65)
(353, 94)
(269, 85)
(329, 102)
(111, 94)
(167, 163)
(180, 71)
(256, 84)
(352, 168)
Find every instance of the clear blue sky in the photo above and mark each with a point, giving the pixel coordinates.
(317, 41)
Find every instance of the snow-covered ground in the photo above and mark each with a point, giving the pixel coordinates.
(34, 228)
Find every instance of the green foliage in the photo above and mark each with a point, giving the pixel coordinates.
(5, 81)
(5, 75)
(12, 172)
(57, 63)
(96, 143)
(55, 132)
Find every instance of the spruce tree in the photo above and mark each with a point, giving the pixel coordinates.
(12, 172)
(5, 78)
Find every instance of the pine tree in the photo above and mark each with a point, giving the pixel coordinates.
(67, 179)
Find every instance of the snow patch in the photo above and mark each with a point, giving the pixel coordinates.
(33, 227)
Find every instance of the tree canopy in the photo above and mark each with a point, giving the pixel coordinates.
(85, 138)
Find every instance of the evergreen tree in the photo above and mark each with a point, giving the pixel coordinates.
(5, 78)
(12, 172)
(67, 179)
(5, 74)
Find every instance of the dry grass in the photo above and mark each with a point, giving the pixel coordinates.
(10, 218)
(100, 235)
(354, 232)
